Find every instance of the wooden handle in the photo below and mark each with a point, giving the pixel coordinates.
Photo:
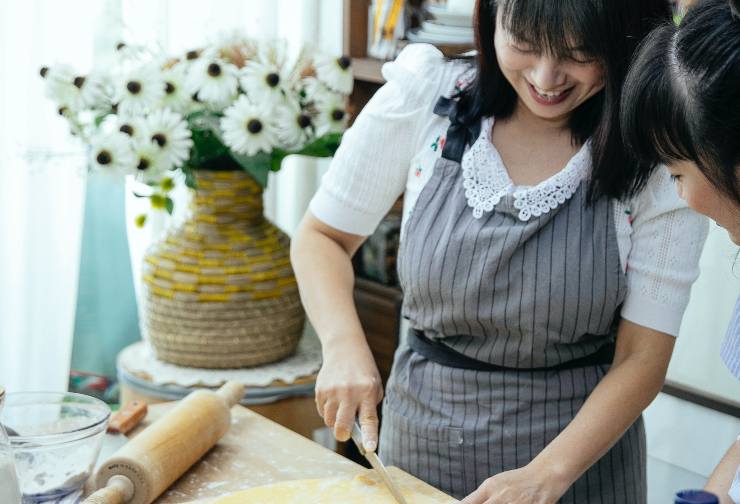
(162, 452)
(119, 490)
(231, 392)
(128, 417)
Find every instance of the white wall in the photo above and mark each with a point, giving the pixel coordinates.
(684, 443)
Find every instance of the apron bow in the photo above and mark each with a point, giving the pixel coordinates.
(459, 134)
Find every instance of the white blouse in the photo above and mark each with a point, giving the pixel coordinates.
(394, 143)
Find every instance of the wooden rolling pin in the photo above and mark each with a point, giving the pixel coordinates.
(148, 464)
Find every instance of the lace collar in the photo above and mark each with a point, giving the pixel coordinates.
(486, 180)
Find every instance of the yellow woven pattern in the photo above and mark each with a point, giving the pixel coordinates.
(220, 291)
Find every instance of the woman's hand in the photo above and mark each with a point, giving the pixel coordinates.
(527, 485)
(349, 385)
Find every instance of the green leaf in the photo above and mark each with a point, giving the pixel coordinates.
(190, 180)
(258, 166)
(169, 205)
(324, 146)
(207, 141)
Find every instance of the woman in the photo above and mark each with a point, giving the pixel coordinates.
(681, 108)
(534, 346)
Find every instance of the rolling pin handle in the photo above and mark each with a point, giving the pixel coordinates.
(231, 392)
(118, 490)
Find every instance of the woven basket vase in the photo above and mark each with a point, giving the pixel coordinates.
(219, 291)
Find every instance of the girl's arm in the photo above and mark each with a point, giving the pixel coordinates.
(721, 479)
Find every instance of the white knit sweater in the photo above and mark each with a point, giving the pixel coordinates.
(393, 145)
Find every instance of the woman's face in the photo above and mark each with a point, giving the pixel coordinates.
(549, 87)
(701, 195)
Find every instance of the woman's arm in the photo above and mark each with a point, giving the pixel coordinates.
(348, 382)
(634, 380)
(721, 479)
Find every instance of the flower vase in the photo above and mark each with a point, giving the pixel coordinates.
(219, 290)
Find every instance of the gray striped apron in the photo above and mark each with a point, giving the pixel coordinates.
(532, 303)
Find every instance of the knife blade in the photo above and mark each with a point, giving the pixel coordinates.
(376, 464)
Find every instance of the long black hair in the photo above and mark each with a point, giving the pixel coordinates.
(682, 95)
(608, 31)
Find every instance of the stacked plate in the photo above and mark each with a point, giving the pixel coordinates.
(447, 28)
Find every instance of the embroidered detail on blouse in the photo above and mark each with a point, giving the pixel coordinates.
(486, 180)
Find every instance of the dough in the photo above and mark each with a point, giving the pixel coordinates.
(364, 489)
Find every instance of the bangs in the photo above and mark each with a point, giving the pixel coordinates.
(655, 108)
(556, 28)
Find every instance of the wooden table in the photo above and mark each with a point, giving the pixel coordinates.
(256, 452)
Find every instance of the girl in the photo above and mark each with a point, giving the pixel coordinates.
(534, 347)
(681, 108)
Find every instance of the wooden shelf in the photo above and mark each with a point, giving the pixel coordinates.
(368, 70)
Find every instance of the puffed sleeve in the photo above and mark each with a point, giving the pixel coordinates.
(369, 170)
(663, 261)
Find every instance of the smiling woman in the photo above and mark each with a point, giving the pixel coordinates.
(534, 346)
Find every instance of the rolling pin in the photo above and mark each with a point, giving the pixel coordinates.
(148, 464)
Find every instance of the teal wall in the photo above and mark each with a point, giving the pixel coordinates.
(106, 319)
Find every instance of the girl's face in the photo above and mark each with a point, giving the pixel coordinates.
(701, 195)
(549, 87)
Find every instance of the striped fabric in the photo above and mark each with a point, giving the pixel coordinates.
(731, 347)
(515, 294)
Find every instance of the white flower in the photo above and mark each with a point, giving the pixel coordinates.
(150, 162)
(273, 52)
(132, 126)
(214, 80)
(176, 96)
(71, 90)
(263, 82)
(332, 114)
(92, 91)
(295, 126)
(234, 47)
(314, 90)
(139, 91)
(335, 73)
(169, 132)
(112, 154)
(247, 128)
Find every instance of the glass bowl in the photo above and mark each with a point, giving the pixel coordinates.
(56, 438)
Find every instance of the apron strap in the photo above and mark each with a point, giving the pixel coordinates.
(438, 352)
(459, 135)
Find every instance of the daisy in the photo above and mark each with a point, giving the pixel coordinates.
(149, 160)
(132, 126)
(314, 90)
(176, 96)
(139, 91)
(332, 114)
(169, 132)
(335, 73)
(112, 154)
(59, 85)
(235, 48)
(214, 80)
(263, 82)
(295, 126)
(247, 129)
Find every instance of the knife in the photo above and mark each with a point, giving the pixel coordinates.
(376, 464)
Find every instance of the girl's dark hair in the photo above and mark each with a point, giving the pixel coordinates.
(607, 31)
(682, 96)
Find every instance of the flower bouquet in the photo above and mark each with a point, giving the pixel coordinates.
(239, 104)
(218, 290)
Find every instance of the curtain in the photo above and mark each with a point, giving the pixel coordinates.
(43, 168)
